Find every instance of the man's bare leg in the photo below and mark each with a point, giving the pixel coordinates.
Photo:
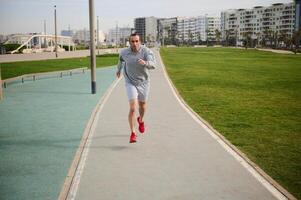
(142, 108)
(131, 117)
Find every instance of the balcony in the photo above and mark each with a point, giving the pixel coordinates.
(267, 10)
(249, 16)
(248, 29)
(285, 26)
(286, 17)
(266, 23)
(265, 19)
(286, 22)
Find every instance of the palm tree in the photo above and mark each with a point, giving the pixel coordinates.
(270, 37)
(218, 35)
(275, 37)
(207, 34)
(296, 39)
(264, 38)
(283, 38)
(227, 32)
(190, 37)
(246, 36)
(198, 36)
(236, 37)
(258, 34)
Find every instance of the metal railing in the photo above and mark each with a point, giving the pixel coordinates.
(43, 75)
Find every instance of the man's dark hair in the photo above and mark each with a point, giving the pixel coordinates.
(135, 34)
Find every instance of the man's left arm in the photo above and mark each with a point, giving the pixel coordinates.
(150, 62)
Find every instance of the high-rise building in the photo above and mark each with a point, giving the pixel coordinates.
(69, 33)
(167, 30)
(81, 37)
(256, 23)
(3, 38)
(119, 35)
(101, 37)
(298, 15)
(146, 27)
(187, 28)
(213, 24)
(197, 29)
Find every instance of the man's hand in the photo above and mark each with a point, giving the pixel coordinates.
(141, 62)
(118, 74)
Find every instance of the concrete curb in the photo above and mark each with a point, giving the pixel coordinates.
(69, 180)
(223, 141)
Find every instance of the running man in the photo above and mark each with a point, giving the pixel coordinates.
(136, 61)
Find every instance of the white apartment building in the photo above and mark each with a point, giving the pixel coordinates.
(81, 37)
(101, 37)
(298, 15)
(167, 30)
(187, 29)
(256, 22)
(3, 38)
(200, 28)
(213, 24)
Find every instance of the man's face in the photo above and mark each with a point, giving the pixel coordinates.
(135, 43)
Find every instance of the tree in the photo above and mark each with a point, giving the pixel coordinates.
(296, 39)
(218, 35)
(275, 38)
(190, 37)
(247, 39)
(258, 34)
(227, 33)
(270, 37)
(283, 38)
(207, 35)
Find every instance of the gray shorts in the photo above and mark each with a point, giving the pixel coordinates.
(139, 92)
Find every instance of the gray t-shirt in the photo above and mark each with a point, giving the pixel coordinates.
(135, 73)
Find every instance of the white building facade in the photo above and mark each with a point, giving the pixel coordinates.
(167, 30)
(197, 29)
(81, 37)
(258, 22)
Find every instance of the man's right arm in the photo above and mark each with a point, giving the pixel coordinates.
(119, 66)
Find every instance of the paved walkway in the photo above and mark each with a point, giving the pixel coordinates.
(51, 55)
(177, 157)
(277, 51)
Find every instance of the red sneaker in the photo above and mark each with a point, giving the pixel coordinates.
(141, 125)
(133, 138)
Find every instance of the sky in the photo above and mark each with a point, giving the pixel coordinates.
(27, 16)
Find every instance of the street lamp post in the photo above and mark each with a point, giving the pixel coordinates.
(55, 30)
(92, 46)
(1, 91)
(45, 39)
(97, 36)
(116, 34)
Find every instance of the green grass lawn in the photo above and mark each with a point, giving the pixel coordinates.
(14, 69)
(251, 97)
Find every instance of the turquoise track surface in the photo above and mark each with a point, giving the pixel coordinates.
(41, 125)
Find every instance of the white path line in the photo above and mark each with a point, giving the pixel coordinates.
(226, 146)
(76, 180)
